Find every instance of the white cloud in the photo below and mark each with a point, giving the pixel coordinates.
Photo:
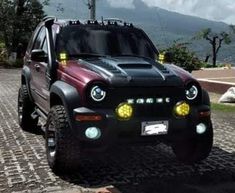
(129, 4)
(219, 10)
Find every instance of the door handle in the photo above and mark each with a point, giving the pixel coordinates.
(37, 67)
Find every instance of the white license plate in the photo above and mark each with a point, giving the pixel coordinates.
(154, 128)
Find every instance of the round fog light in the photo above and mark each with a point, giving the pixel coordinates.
(182, 109)
(93, 133)
(201, 128)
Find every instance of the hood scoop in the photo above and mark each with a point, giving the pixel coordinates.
(133, 71)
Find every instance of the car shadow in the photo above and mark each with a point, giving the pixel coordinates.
(36, 131)
(155, 169)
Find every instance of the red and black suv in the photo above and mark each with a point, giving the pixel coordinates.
(99, 83)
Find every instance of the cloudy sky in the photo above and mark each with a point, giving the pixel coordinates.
(219, 10)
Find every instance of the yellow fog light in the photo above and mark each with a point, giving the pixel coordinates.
(182, 109)
(124, 111)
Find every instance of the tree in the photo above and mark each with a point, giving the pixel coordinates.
(18, 19)
(6, 15)
(216, 40)
(183, 57)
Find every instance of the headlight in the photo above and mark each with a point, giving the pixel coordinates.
(192, 92)
(97, 93)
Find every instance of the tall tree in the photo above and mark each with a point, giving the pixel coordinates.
(216, 40)
(18, 18)
(6, 21)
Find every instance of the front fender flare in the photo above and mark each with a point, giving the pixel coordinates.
(69, 97)
(25, 73)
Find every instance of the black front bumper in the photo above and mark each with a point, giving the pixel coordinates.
(114, 131)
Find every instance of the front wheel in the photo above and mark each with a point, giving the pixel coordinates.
(195, 149)
(63, 153)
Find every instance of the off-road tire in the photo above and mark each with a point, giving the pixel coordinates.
(64, 156)
(25, 109)
(195, 149)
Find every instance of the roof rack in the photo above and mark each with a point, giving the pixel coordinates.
(116, 21)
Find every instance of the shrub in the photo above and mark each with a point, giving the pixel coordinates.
(183, 57)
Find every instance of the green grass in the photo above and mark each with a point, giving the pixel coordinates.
(223, 108)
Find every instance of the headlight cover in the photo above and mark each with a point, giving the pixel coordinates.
(192, 92)
(97, 93)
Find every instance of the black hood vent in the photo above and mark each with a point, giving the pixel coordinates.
(107, 66)
(135, 66)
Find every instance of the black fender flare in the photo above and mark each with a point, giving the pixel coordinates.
(205, 98)
(69, 97)
(25, 73)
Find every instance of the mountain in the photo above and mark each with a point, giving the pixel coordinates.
(163, 27)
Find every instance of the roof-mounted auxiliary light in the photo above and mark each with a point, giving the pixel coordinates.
(128, 24)
(77, 22)
(92, 22)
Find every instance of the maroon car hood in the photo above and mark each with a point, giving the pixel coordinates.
(125, 71)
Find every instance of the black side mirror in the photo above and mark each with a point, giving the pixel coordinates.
(169, 56)
(39, 56)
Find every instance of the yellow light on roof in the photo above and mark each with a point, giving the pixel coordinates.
(63, 56)
(182, 109)
(124, 111)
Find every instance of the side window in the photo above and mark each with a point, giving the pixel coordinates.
(40, 38)
(33, 37)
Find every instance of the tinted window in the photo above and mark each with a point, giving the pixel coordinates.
(104, 40)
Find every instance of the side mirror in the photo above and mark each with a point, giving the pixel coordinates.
(39, 56)
(169, 56)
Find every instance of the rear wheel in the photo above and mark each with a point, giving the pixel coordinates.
(195, 149)
(63, 153)
(25, 109)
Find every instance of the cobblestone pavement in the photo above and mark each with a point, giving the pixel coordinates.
(23, 165)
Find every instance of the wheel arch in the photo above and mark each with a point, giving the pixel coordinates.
(64, 94)
(205, 98)
(25, 79)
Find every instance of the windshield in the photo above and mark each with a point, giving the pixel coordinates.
(98, 40)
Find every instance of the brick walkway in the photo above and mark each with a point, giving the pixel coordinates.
(23, 165)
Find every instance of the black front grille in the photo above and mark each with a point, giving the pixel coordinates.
(153, 110)
(116, 96)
